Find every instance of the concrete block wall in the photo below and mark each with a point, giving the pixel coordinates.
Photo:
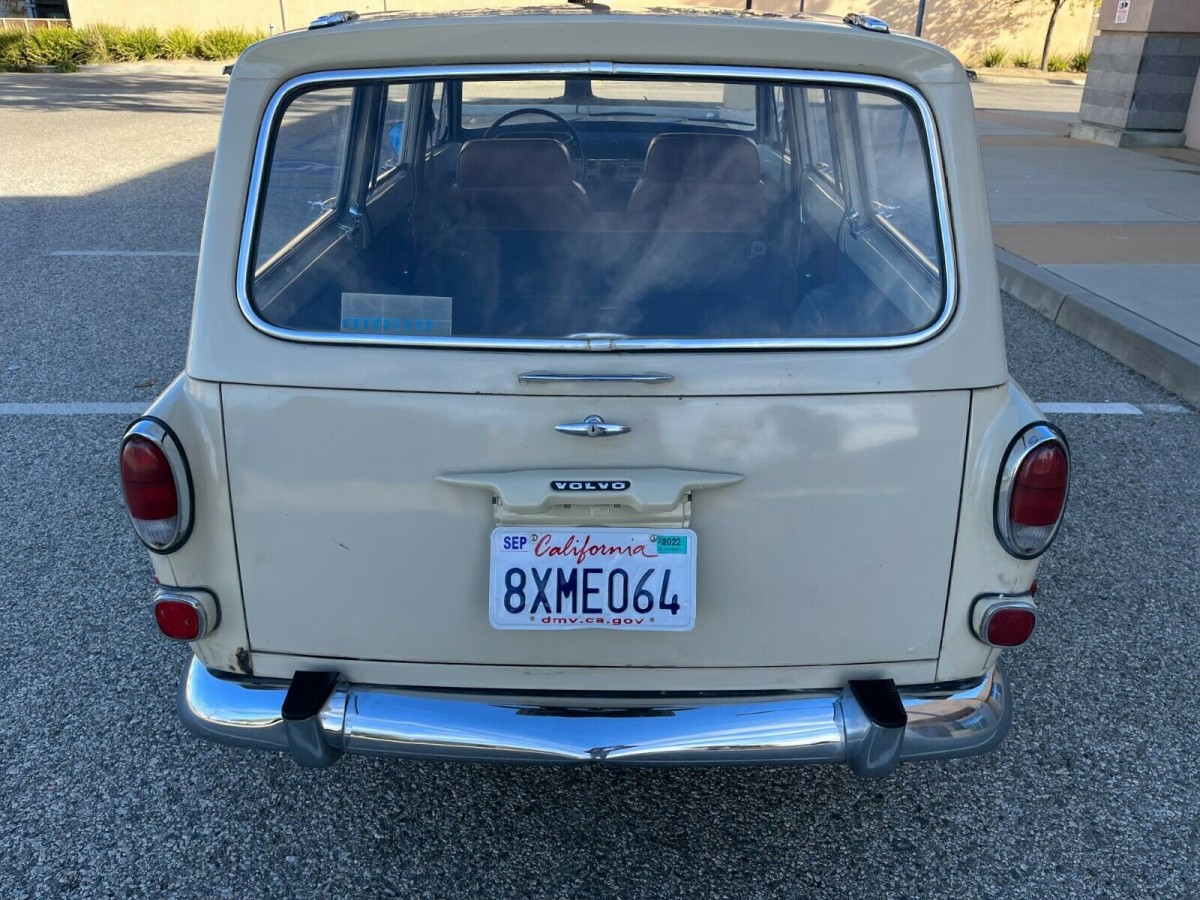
(1141, 81)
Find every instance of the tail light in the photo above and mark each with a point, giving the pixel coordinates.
(1032, 491)
(185, 614)
(1004, 621)
(157, 485)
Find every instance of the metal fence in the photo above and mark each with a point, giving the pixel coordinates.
(32, 24)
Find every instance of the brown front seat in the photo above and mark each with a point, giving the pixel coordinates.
(517, 184)
(700, 182)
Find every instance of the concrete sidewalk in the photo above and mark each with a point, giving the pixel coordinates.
(1104, 241)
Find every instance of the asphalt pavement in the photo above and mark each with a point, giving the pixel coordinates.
(102, 793)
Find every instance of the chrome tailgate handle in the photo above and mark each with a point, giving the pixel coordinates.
(592, 426)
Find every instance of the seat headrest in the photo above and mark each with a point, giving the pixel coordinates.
(712, 158)
(514, 162)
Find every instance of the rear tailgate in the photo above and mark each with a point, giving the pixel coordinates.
(835, 547)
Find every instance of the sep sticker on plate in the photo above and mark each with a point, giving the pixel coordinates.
(566, 578)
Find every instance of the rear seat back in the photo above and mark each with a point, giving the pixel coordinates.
(700, 182)
(690, 255)
(707, 254)
(517, 183)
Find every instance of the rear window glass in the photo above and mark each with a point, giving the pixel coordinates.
(306, 168)
(566, 208)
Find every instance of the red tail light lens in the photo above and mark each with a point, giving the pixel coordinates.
(1003, 620)
(186, 614)
(157, 488)
(1010, 627)
(147, 480)
(1032, 491)
(179, 620)
(1040, 490)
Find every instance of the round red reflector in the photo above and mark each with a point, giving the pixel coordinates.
(1040, 486)
(178, 620)
(1010, 627)
(147, 480)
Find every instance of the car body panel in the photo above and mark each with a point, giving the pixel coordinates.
(392, 564)
(208, 559)
(981, 564)
(596, 686)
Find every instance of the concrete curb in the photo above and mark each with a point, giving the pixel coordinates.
(1161, 355)
(157, 67)
(1035, 76)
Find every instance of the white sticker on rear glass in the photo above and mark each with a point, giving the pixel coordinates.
(403, 314)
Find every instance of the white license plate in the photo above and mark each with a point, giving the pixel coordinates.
(632, 579)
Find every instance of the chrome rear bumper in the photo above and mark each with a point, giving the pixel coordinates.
(950, 720)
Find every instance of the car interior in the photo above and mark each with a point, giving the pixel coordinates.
(541, 208)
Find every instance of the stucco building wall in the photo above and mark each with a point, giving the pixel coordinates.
(282, 15)
(966, 27)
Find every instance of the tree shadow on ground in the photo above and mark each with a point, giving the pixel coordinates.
(135, 92)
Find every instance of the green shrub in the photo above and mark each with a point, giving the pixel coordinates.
(1023, 60)
(10, 51)
(93, 39)
(1058, 63)
(129, 44)
(63, 48)
(1080, 59)
(226, 43)
(107, 35)
(93, 45)
(180, 43)
(993, 57)
(67, 49)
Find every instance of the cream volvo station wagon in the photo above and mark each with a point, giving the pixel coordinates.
(579, 385)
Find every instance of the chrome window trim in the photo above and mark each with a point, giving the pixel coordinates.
(797, 76)
(1027, 440)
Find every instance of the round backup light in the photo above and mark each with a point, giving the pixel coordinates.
(1032, 491)
(156, 484)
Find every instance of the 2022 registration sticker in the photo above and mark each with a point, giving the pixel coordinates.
(570, 578)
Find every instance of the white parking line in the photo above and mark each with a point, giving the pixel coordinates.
(1173, 408)
(1091, 409)
(72, 409)
(123, 253)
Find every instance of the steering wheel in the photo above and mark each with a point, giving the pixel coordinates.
(572, 134)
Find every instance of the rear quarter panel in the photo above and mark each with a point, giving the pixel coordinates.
(208, 559)
(981, 564)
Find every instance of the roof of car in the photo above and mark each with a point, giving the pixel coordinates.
(429, 33)
(455, 9)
